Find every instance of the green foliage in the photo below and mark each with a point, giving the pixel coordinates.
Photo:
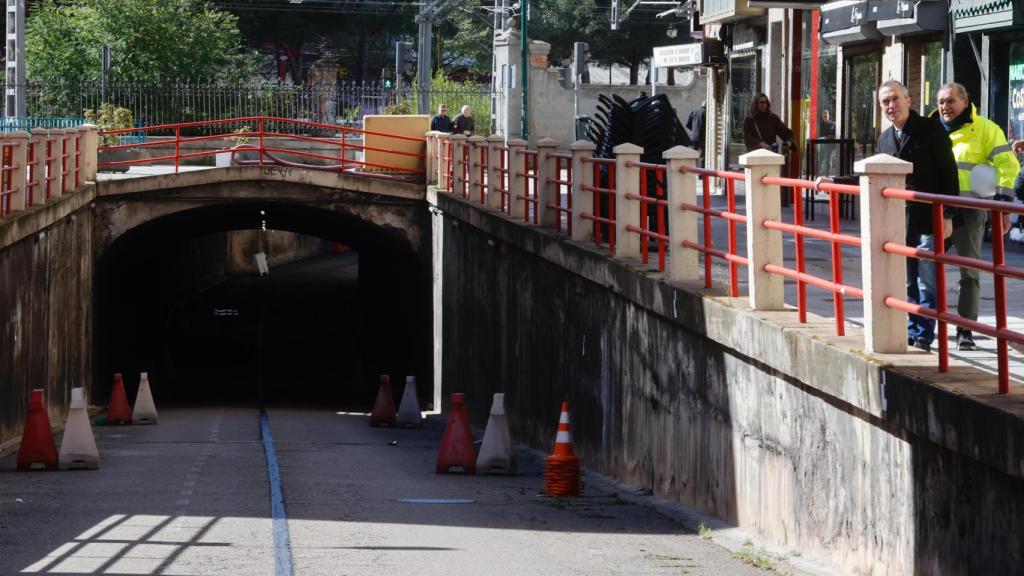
(150, 40)
(110, 117)
(704, 531)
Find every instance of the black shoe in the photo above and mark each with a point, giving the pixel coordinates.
(922, 344)
(965, 341)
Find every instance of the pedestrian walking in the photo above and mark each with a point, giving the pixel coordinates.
(441, 122)
(464, 122)
(924, 143)
(987, 168)
(763, 128)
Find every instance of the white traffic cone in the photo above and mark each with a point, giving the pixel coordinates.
(145, 408)
(78, 447)
(496, 448)
(409, 410)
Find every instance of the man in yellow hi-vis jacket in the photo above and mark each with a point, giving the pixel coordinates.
(987, 168)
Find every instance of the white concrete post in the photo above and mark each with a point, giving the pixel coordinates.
(516, 179)
(70, 137)
(582, 200)
(883, 220)
(37, 166)
(681, 188)
(443, 140)
(627, 212)
(19, 174)
(90, 146)
(495, 142)
(458, 164)
(430, 158)
(476, 192)
(547, 192)
(55, 171)
(764, 246)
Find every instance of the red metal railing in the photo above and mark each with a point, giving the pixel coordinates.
(563, 189)
(997, 267)
(729, 215)
(7, 184)
(647, 199)
(833, 236)
(608, 192)
(264, 152)
(530, 174)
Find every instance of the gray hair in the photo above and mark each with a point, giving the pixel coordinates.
(895, 85)
(956, 87)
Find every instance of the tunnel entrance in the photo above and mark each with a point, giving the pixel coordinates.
(182, 298)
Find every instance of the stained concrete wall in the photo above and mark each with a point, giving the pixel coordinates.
(767, 424)
(45, 328)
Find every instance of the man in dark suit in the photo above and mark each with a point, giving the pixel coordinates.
(923, 142)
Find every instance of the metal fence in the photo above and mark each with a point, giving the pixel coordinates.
(344, 103)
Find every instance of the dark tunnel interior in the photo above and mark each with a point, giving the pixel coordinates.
(314, 331)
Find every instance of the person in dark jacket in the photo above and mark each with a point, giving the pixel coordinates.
(441, 122)
(762, 127)
(464, 122)
(695, 127)
(923, 142)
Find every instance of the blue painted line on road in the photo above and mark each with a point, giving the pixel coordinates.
(279, 517)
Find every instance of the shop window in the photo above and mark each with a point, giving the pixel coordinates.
(861, 113)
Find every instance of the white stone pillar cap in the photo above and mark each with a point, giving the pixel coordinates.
(883, 164)
(680, 153)
(18, 134)
(547, 143)
(762, 157)
(458, 137)
(495, 138)
(476, 139)
(628, 148)
(518, 142)
(583, 145)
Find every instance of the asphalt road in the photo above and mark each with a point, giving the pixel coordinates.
(192, 495)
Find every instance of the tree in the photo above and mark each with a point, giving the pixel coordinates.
(630, 45)
(152, 41)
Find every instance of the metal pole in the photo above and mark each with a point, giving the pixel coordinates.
(524, 63)
(14, 96)
(423, 68)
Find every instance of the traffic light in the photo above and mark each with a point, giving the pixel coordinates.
(387, 78)
(403, 61)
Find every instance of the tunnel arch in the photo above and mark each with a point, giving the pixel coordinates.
(148, 302)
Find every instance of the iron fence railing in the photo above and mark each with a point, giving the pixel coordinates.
(343, 103)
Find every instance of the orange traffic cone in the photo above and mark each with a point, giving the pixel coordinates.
(562, 469)
(37, 450)
(457, 444)
(119, 412)
(384, 407)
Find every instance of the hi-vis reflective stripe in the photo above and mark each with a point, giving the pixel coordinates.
(966, 165)
(999, 150)
(563, 437)
(564, 418)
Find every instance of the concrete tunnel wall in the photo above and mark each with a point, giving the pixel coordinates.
(816, 448)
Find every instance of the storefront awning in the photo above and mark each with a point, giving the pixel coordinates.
(846, 21)
(981, 15)
(894, 17)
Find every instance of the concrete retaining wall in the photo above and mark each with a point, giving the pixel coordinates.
(777, 429)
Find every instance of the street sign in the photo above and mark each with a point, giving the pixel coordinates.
(679, 55)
